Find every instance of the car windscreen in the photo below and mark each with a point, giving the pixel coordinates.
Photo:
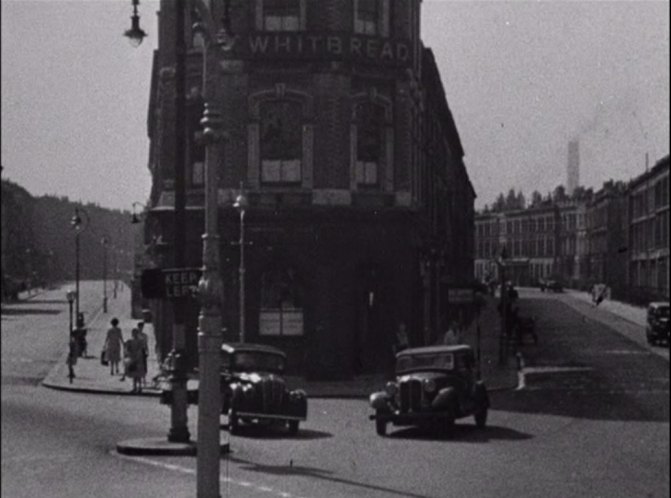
(253, 361)
(425, 361)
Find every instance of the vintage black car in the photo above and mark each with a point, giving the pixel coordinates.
(434, 386)
(253, 388)
(657, 327)
(550, 285)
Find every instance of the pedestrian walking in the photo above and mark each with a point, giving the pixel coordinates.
(601, 294)
(401, 341)
(134, 361)
(145, 354)
(113, 346)
(80, 336)
(452, 335)
(73, 354)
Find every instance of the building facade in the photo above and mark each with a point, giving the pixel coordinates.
(540, 242)
(648, 234)
(618, 236)
(338, 128)
(607, 236)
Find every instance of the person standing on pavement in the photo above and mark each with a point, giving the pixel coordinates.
(451, 337)
(114, 346)
(401, 341)
(145, 354)
(73, 354)
(135, 360)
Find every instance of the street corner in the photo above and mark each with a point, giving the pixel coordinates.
(159, 446)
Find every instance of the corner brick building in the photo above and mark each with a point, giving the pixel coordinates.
(360, 207)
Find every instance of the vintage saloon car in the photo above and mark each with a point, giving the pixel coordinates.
(657, 323)
(434, 386)
(253, 389)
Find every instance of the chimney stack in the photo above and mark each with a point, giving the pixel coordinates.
(573, 168)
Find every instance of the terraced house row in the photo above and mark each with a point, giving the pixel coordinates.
(360, 211)
(618, 235)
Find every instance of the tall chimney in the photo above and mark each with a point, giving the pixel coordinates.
(573, 168)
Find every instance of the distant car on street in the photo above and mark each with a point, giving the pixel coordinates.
(550, 285)
(434, 386)
(254, 390)
(657, 323)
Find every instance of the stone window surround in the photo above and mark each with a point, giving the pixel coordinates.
(255, 101)
(259, 18)
(386, 168)
(384, 22)
(384, 18)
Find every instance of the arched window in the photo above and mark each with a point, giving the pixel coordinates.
(281, 141)
(371, 17)
(370, 140)
(281, 303)
(195, 146)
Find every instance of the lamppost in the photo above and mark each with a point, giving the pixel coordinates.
(70, 297)
(135, 34)
(179, 432)
(79, 225)
(116, 272)
(503, 338)
(104, 241)
(135, 217)
(210, 286)
(241, 204)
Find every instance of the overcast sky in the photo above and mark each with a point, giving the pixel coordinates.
(521, 78)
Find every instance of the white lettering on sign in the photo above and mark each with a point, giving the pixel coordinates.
(460, 295)
(336, 45)
(181, 283)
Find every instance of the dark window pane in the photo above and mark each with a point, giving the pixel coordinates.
(281, 130)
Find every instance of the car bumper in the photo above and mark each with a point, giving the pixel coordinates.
(267, 416)
(659, 334)
(410, 418)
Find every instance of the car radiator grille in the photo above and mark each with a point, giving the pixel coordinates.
(272, 392)
(411, 395)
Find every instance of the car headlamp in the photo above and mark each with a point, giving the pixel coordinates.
(391, 388)
(429, 385)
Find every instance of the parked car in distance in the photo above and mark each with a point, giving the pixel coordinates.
(253, 388)
(434, 386)
(550, 285)
(657, 323)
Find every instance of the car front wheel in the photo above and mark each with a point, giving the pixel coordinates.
(380, 426)
(233, 422)
(481, 418)
(293, 427)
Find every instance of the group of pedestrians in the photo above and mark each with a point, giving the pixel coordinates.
(134, 350)
(452, 336)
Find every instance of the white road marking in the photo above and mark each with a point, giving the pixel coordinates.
(186, 470)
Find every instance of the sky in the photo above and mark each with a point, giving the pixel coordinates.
(522, 79)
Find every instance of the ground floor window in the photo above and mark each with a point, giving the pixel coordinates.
(281, 311)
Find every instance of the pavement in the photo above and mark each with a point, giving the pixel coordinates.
(93, 377)
(629, 312)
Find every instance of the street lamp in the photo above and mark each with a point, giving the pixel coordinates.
(503, 338)
(135, 34)
(135, 217)
(210, 286)
(104, 241)
(71, 295)
(241, 204)
(178, 432)
(79, 225)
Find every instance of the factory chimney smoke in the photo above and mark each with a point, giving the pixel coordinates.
(573, 167)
